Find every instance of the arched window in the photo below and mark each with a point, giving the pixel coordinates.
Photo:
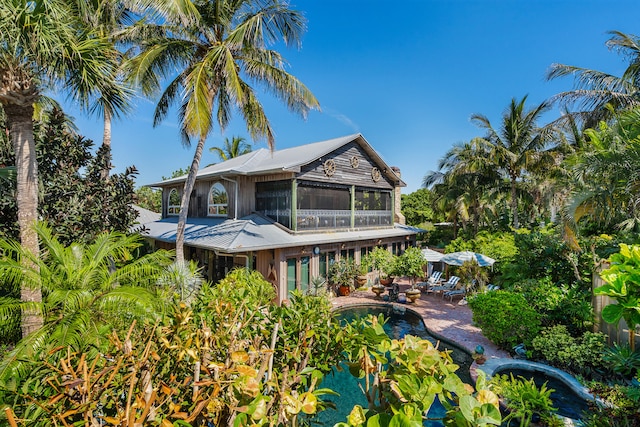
(217, 204)
(174, 202)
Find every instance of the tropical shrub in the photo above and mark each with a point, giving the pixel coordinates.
(622, 282)
(524, 399)
(499, 245)
(506, 318)
(541, 253)
(75, 200)
(622, 408)
(622, 360)
(382, 261)
(88, 290)
(402, 379)
(410, 264)
(559, 348)
(342, 273)
(230, 358)
(557, 304)
(472, 275)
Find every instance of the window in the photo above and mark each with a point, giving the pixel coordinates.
(368, 200)
(217, 204)
(174, 203)
(273, 199)
(316, 196)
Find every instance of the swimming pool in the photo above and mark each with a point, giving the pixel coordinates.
(398, 325)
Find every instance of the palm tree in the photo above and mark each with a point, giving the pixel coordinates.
(518, 146)
(220, 46)
(87, 289)
(231, 149)
(606, 175)
(466, 176)
(113, 21)
(42, 44)
(595, 89)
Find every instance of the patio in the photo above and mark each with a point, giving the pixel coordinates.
(443, 318)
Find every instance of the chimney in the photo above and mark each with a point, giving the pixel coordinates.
(397, 196)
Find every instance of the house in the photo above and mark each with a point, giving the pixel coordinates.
(288, 213)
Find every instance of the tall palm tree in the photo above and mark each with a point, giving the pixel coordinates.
(518, 145)
(606, 175)
(234, 148)
(220, 46)
(595, 89)
(466, 174)
(87, 289)
(112, 20)
(43, 43)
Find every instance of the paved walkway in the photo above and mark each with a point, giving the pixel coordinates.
(449, 320)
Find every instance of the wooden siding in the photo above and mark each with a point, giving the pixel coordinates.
(344, 172)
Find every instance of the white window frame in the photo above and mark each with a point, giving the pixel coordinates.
(173, 210)
(213, 209)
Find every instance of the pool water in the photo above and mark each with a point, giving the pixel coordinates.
(398, 325)
(568, 403)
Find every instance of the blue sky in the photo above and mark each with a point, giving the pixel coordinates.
(407, 75)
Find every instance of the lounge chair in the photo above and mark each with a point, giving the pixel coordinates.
(462, 292)
(434, 279)
(449, 285)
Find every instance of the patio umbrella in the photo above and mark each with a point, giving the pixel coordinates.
(459, 258)
(432, 256)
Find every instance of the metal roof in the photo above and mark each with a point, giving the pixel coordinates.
(256, 232)
(145, 215)
(264, 161)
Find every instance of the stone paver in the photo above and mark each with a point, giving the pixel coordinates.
(443, 318)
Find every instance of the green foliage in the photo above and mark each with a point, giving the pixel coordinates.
(381, 260)
(231, 358)
(557, 304)
(506, 318)
(622, 360)
(404, 377)
(410, 264)
(559, 348)
(417, 207)
(472, 275)
(76, 201)
(523, 398)
(149, 198)
(499, 245)
(177, 173)
(342, 272)
(541, 253)
(234, 147)
(622, 280)
(621, 409)
(87, 291)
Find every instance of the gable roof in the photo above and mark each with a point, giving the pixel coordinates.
(256, 232)
(265, 161)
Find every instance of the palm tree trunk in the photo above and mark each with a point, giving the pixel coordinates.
(20, 119)
(186, 196)
(514, 204)
(106, 141)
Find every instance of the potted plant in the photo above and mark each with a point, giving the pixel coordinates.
(410, 264)
(362, 270)
(341, 276)
(382, 261)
